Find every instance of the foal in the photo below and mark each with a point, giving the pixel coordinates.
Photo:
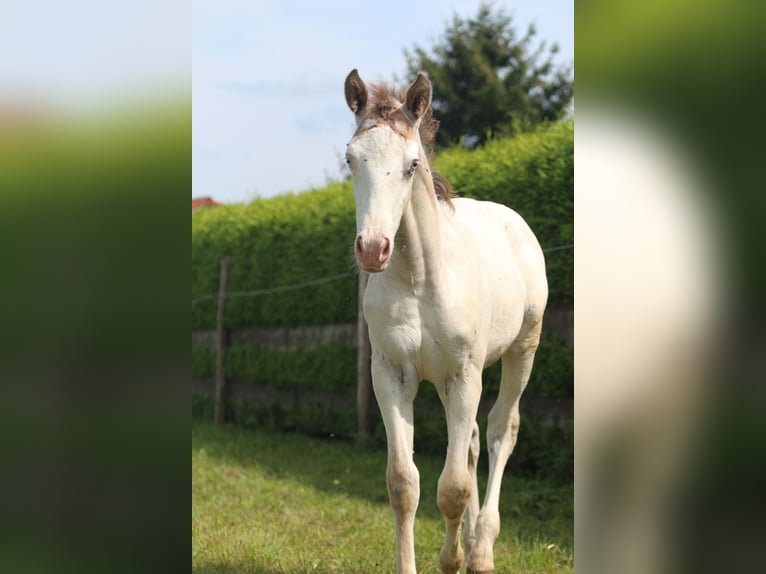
(456, 285)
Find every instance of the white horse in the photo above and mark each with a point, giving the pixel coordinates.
(456, 285)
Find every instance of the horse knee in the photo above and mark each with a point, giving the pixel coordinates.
(403, 482)
(453, 494)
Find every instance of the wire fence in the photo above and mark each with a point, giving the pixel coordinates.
(258, 292)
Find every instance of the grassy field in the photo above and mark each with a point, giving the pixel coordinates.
(277, 503)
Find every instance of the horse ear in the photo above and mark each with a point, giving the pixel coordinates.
(356, 92)
(419, 96)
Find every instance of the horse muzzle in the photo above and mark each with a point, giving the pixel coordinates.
(373, 250)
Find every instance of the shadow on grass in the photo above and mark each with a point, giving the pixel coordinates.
(529, 509)
(243, 568)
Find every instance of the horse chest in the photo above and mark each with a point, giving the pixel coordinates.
(406, 331)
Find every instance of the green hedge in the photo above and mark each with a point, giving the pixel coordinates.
(293, 239)
(333, 367)
(328, 368)
(276, 242)
(310, 418)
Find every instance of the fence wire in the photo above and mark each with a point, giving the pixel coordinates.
(257, 292)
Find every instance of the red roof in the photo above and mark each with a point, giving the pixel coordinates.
(204, 202)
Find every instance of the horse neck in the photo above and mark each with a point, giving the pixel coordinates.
(419, 251)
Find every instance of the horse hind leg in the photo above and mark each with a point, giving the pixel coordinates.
(502, 431)
(472, 512)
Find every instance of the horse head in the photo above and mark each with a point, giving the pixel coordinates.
(384, 156)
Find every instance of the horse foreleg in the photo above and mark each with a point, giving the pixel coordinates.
(395, 391)
(456, 486)
(502, 431)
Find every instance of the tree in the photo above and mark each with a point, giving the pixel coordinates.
(488, 82)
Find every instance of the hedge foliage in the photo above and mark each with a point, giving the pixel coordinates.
(276, 242)
(333, 367)
(294, 239)
(310, 419)
(327, 368)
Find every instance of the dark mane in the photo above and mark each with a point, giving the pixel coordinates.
(443, 188)
(385, 105)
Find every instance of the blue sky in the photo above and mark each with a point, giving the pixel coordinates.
(269, 115)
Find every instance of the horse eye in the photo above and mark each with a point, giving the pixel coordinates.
(348, 162)
(413, 166)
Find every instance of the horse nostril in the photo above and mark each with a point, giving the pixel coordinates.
(358, 245)
(386, 251)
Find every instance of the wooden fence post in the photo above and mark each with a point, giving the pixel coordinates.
(221, 341)
(363, 375)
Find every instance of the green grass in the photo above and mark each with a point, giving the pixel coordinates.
(270, 503)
